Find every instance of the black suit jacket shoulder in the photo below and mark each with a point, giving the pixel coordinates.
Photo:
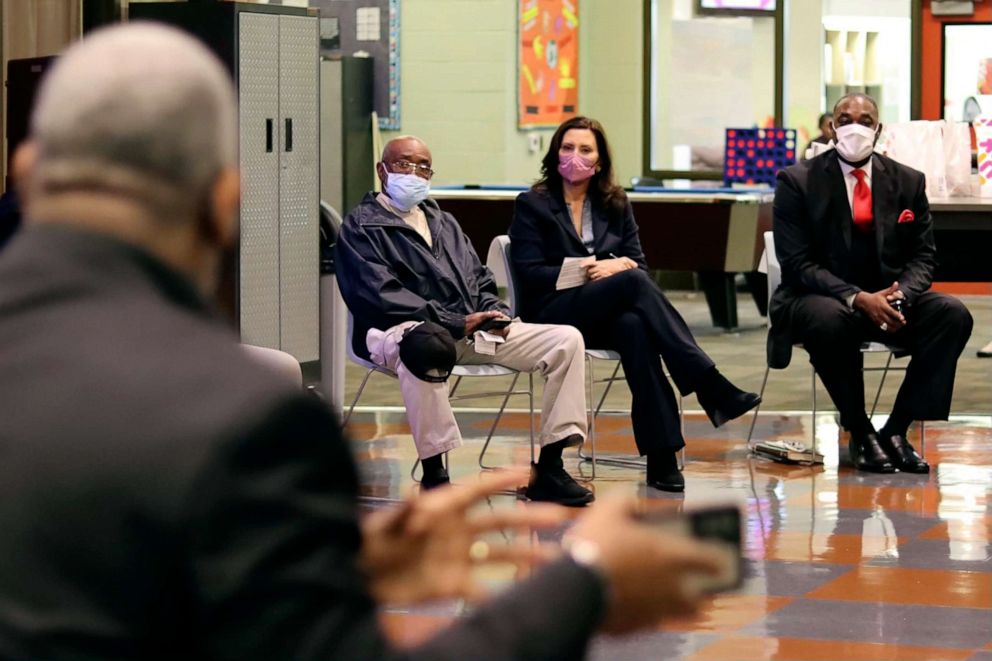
(542, 236)
(812, 226)
(162, 496)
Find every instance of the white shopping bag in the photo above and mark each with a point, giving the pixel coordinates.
(920, 145)
(957, 158)
(983, 143)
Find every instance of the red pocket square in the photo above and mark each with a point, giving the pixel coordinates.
(906, 216)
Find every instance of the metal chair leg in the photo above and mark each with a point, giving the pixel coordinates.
(530, 397)
(881, 384)
(499, 415)
(813, 426)
(361, 388)
(754, 418)
(591, 436)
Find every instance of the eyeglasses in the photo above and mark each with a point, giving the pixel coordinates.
(406, 167)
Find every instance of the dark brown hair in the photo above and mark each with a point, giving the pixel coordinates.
(603, 188)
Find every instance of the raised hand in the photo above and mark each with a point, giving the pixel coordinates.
(429, 546)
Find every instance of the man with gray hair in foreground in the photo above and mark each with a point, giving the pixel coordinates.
(163, 496)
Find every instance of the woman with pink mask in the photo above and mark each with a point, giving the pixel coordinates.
(577, 209)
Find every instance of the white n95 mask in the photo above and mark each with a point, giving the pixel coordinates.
(854, 142)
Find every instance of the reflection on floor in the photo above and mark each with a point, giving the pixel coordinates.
(841, 565)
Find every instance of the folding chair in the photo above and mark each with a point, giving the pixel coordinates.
(499, 260)
(774, 279)
(593, 355)
(459, 372)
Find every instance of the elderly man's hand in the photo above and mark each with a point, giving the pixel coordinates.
(428, 547)
(476, 319)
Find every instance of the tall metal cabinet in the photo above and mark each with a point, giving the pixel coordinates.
(272, 52)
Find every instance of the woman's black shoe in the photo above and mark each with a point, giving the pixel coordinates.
(663, 473)
(722, 400)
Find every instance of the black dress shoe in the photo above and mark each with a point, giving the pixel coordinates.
(663, 473)
(553, 484)
(902, 455)
(722, 400)
(867, 454)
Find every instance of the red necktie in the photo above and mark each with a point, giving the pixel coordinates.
(861, 204)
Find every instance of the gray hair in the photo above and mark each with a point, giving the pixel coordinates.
(140, 110)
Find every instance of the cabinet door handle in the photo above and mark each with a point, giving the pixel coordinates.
(268, 135)
(289, 134)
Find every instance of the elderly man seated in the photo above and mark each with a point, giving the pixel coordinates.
(423, 301)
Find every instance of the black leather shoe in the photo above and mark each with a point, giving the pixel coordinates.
(433, 480)
(902, 455)
(722, 400)
(663, 473)
(552, 484)
(867, 454)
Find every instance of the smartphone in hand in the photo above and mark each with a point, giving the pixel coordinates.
(719, 526)
(494, 323)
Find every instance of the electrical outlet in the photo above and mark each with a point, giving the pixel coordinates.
(534, 142)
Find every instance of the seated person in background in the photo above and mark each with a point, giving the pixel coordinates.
(577, 209)
(854, 236)
(167, 497)
(826, 132)
(401, 260)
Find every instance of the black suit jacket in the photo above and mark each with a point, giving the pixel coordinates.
(542, 236)
(812, 225)
(162, 496)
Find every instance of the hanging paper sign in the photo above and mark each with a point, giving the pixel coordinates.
(547, 62)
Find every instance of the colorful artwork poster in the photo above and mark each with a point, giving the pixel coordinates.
(548, 62)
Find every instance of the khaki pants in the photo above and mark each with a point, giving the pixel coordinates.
(557, 352)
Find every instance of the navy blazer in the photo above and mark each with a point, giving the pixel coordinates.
(542, 236)
(812, 225)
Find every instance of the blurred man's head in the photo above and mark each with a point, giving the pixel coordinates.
(134, 134)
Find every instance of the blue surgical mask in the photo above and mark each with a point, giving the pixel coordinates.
(407, 190)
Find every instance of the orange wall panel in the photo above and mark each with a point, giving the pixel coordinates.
(931, 54)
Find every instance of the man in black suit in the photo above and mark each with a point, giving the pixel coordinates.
(162, 496)
(854, 235)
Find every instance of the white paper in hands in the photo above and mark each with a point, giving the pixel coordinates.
(574, 272)
(485, 342)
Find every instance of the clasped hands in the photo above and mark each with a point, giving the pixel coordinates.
(878, 307)
(604, 268)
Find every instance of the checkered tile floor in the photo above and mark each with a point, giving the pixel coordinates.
(841, 565)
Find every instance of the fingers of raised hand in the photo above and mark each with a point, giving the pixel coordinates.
(525, 517)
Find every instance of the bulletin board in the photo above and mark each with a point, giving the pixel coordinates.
(547, 62)
(372, 27)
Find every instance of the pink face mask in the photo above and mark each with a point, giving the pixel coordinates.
(575, 168)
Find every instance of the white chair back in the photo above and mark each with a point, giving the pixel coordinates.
(498, 261)
(774, 268)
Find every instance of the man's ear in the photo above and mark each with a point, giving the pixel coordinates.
(380, 169)
(221, 225)
(878, 133)
(21, 168)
